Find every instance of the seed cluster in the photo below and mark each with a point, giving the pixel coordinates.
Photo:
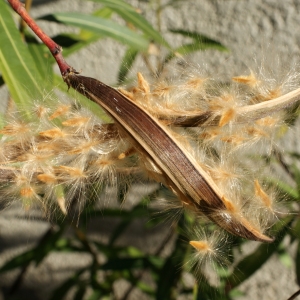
(65, 155)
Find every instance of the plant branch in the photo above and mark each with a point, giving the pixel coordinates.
(54, 48)
(294, 295)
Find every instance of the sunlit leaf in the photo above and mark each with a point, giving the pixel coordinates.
(129, 14)
(126, 64)
(74, 42)
(251, 263)
(16, 63)
(298, 263)
(42, 58)
(101, 26)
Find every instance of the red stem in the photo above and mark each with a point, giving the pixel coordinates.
(54, 48)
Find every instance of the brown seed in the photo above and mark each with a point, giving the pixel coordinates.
(61, 110)
(52, 133)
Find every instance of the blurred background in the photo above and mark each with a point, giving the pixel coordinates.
(241, 35)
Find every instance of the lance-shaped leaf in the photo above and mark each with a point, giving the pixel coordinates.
(73, 42)
(16, 63)
(101, 26)
(129, 14)
(200, 42)
(251, 263)
(127, 62)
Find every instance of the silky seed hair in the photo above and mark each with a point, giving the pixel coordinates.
(66, 155)
(69, 145)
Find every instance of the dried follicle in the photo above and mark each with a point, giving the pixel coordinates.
(209, 124)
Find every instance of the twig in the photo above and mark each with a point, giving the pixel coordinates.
(54, 48)
(282, 163)
(294, 295)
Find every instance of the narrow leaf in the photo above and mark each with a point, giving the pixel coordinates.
(254, 261)
(126, 64)
(129, 14)
(42, 58)
(84, 37)
(298, 264)
(201, 38)
(16, 63)
(101, 26)
(62, 290)
(200, 42)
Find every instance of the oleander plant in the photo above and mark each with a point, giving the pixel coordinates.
(208, 148)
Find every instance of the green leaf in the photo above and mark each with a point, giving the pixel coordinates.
(101, 26)
(118, 264)
(296, 173)
(200, 42)
(250, 264)
(298, 263)
(16, 63)
(80, 293)
(119, 230)
(201, 38)
(42, 58)
(126, 64)
(285, 189)
(204, 291)
(1, 80)
(61, 291)
(129, 14)
(96, 295)
(171, 271)
(83, 38)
